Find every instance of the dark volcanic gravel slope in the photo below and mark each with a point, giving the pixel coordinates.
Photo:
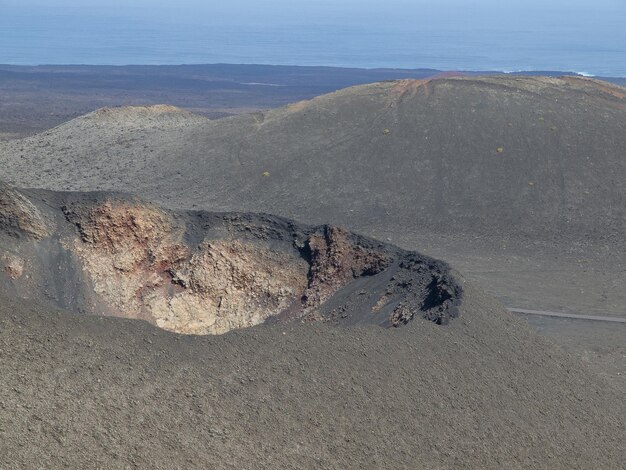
(532, 156)
(38, 98)
(459, 383)
(481, 392)
(518, 181)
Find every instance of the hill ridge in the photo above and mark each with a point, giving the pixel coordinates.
(474, 162)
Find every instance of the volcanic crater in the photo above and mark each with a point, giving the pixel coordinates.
(197, 272)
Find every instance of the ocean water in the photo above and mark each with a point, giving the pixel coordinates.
(588, 39)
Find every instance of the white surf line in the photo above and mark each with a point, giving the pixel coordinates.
(260, 84)
(567, 315)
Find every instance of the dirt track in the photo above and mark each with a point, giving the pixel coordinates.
(568, 315)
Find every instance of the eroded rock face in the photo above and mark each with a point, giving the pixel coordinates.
(19, 216)
(335, 261)
(203, 273)
(13, 265)
(231, 284)
(127, 251)
(140, 265)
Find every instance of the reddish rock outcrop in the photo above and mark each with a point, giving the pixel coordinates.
(335, 261)
(203, 273)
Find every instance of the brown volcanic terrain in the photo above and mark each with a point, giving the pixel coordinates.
(457, 383)
(312, 381)
(518, 181)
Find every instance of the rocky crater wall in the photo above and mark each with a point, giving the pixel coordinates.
(208, 273)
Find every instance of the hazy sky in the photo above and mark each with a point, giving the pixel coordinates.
(596, 16)
(386, 10)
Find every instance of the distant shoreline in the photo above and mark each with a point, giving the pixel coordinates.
(521, 71)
